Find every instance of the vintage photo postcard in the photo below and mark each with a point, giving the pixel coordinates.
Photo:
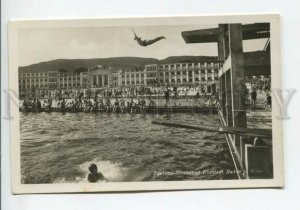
(139, 104)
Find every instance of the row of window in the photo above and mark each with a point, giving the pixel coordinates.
(32, 74)
(133, 83)
(28, 86)
(132, 71)
(172, 80)
(69, 85)
(69, 78)
(172, 73)
(132, 75)
(167, 76)
(183, 81)
(50, 80)
(185, 73)
(46, 85)
(172, 67)
(184, 66)
(47, 74)
(34, 80)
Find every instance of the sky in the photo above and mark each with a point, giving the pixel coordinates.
(44, 44)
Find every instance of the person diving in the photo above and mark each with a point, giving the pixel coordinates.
(145, 42)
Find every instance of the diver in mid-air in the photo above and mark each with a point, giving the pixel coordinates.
(145, 43)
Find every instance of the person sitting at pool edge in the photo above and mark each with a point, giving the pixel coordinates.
(94, 176)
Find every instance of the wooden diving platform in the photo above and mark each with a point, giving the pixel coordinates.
(251, 149)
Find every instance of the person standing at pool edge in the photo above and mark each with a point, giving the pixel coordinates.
(253, 97)
(167, 96)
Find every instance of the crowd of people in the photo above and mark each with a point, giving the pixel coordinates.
(263, 89)
(130, 99)
(112, 92)
(88, 105)
(107, 99)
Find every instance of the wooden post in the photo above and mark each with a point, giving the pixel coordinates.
(221, 43)
(229, 99)
(237, 76)
(223, 86)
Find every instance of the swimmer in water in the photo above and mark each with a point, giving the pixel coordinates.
(94, 176)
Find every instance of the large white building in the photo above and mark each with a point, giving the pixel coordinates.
(203, 74)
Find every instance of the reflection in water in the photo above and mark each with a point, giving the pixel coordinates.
(58, 147)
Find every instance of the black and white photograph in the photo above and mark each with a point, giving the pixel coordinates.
(138, 104)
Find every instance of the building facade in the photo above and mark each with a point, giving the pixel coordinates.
(52, 80)
(101, 77)
(202, 74)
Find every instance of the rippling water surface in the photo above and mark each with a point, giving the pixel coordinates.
(57, 147)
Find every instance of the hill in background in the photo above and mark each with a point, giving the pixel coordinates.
(80, 65)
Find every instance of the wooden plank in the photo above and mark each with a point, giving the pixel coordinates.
(257, 58)
(255, 63)
(256, 31)
(265, 133)
(249, 31)
(257, 70)
(256, 35)
(201, 36)
(256, 27)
